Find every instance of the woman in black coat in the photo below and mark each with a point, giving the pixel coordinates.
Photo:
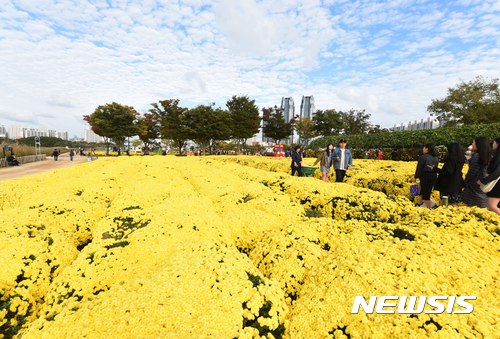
(493, 171)
(425, 165)
(450, 181)
(297, 162)
(478, 163)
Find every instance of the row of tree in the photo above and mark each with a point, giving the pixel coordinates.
(468, 103)
(166, 120)
(473, 102)
(324, 123)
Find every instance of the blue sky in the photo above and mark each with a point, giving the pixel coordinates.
(61, 59)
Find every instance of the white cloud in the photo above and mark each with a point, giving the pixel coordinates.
(16, 116)
(249, 29)
(57, 100)
(64, 58)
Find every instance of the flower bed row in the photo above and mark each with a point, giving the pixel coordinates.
(390, 177)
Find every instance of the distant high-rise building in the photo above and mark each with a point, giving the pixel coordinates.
(44, 131)
(415, 125)
(307, 107)
(52, 133)
(31, 132)
(16, 131)
(61, 134)
(89, 135)
(3, 132)
(288, 108)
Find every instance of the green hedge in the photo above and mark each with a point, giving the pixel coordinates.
(414, 139)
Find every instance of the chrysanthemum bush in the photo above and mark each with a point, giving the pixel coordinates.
(204, 247)
(390, 177)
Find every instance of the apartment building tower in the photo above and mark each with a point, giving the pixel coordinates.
(288, 108)
(307, 107)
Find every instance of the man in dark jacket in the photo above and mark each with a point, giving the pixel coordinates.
(297, 162)
(11, 160)
(394, 155)
(55, 154)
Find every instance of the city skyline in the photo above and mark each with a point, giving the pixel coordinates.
(61, 60)
(17, 131)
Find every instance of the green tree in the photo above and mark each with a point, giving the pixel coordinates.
(244, 118)
(207, 125)
(171, 121)
(374, 129)
(113, 121)
(305, 130)
(328, 122)
(274, 125)
(148, 129)
(356, 122)
(473, 102)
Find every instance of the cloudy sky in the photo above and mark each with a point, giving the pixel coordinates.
(61, 59)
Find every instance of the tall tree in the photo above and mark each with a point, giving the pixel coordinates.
(99, 132)
(172, 121)
(245, 118)
(274, 124)
(305, 130)
(147, 129)
(356, 122)
(328, 122)
(207, 125)
(114, 121)
(473, 102)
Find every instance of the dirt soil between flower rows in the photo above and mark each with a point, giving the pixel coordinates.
(15, 172)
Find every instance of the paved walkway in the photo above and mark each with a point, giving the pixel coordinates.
(14, 172)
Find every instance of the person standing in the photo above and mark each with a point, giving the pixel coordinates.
(426, 163)
(71, 154)
(380, 154)
(55, 154)
(450, 181)
(342, 160)
(297, 162)
(325, 160)
(394, 155)
(478, 163)
(493, 170)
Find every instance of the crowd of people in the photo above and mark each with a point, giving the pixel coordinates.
(480, 187)
(338, 157)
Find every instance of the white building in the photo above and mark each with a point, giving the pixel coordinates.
(44, 131)
(52, 133)
(417, 125)
(90, 137)
(31, 132)
(62, 134)
(3, 132)
(15, 131)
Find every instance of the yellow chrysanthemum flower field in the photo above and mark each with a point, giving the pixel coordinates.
(234, 247)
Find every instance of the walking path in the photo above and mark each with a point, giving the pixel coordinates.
(14, 172)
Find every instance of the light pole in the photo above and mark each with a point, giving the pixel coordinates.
(38, 152)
